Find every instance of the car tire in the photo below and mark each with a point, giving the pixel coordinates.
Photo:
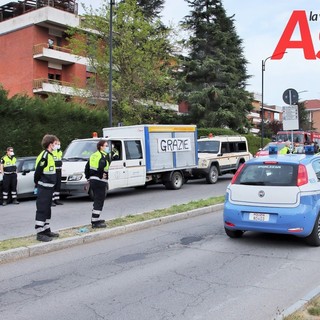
(176, 181)
(314, 238)
(212, 176)
(234, 233)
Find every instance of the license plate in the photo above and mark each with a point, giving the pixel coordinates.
(254, 216)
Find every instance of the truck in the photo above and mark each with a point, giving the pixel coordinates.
(146, 154)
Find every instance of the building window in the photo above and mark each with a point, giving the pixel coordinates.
(54, 74)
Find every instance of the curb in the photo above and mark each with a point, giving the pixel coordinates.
(55, 245)
(299, 304)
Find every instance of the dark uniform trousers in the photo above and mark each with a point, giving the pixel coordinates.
(9, 185)
(43, 213)
(57, 186)
(99, 189)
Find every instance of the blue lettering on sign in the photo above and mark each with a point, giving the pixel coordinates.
(174, 145)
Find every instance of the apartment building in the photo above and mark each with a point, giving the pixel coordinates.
(34, 58)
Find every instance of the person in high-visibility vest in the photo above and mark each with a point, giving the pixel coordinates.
(45, 179)
(57, 154)
(286, 148)
(96, 172)
(9, 170)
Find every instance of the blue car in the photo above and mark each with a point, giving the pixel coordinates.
(275, 194)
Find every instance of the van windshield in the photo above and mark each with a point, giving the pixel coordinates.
(208, 146)
(80, 150)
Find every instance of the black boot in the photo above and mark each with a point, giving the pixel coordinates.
(99, 224)
(51, 234)
(43, 237)
(15, 201)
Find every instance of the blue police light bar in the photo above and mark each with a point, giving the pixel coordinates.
(273, 150)
(309, 150)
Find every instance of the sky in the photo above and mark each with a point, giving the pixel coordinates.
(260, 24)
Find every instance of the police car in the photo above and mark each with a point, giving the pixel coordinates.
(276, 194)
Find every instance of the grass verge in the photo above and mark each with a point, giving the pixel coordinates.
(310, 311)
(71, 232)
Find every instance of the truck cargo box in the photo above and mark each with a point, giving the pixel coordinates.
(166, 147)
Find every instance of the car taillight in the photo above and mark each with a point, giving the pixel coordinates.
(302, 175)
(237, 173)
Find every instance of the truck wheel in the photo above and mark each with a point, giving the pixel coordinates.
(175, 182)
(314, 238)
(212, 176)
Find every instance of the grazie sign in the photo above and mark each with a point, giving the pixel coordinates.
(174, 145)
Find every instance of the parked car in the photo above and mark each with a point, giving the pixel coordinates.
(25, 171)
(275, 194)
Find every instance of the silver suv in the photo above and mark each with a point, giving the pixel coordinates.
(218, 155)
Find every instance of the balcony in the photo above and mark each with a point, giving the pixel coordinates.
(56, 54)
(48, 86)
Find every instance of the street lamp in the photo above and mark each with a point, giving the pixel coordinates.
(262, 92)
(112, 2)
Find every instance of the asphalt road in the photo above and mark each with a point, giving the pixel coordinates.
(18, 220)
(187, 270)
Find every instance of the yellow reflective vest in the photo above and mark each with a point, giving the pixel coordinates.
(57, 155)
(98, 165)
(9, 164)
(45, 174)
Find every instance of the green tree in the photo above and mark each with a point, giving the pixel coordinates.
(214, 74)
(141, 57)
(151, 9)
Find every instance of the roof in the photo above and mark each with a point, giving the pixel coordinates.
(312, 104)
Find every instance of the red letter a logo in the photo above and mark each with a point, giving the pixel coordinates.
(297, 17)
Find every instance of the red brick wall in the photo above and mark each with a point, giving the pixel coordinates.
(16, 63)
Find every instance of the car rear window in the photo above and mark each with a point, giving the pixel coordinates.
(268, 174)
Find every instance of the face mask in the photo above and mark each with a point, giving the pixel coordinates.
(58, 147)
(55, 147)
(107, 150)
(11, 153)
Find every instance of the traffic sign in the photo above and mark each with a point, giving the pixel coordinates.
(290, 118)
(290, 96)
(290, 113)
